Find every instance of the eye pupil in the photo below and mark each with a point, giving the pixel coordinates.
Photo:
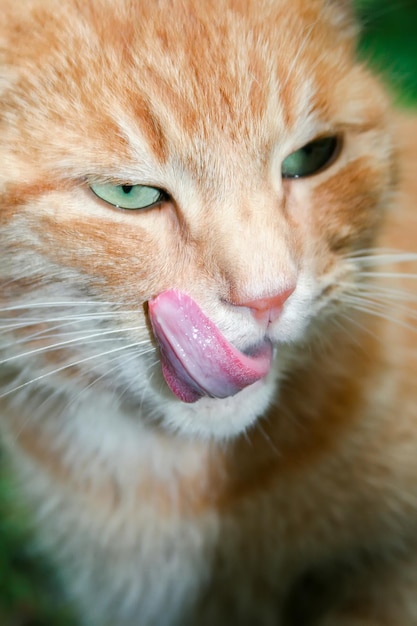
(129, 197)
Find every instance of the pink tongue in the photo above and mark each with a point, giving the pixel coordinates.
(197, 360)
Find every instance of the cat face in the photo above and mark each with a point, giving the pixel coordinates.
(197, 150)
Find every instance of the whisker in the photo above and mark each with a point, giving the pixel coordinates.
(47, 334)
(127, 359)
(362, 328)
(59, 303)
(356, 323)
(74, 364)
(386, 292)
(371, 309)
(68, 342)
(389, 275)
(74, 398)
(268, 439)
(70, 319)
(381, 256)
(129, 384)
(380, 299)
(386, 259)
(375, 306)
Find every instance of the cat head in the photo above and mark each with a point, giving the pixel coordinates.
(230, 155)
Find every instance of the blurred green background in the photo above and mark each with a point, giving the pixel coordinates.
(389, 42)
(27, 593)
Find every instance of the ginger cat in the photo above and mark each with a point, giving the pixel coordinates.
(208, 344)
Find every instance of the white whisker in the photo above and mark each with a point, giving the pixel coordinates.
(118, 365)
(388, 275)
(377, 302)
(362, 328)
(128, 388)
(68, 319)
(386, 259)
(370, 309)
(386, 292)
(63, 303)
(68, 342)
(74, 364)
(47, 334)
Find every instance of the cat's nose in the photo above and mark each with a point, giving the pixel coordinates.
(267, 310)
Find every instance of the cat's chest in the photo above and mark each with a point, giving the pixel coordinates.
(114, 476)
(184, 519)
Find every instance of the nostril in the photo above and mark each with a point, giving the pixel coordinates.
(267, 308)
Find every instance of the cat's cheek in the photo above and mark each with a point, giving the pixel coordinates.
(297, 202)
(127, 251)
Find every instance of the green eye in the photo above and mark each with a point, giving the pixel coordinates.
(310, 159)
(131, 197)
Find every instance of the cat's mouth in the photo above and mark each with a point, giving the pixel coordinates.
(197, 360)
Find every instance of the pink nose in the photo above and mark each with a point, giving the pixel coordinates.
(267, 309)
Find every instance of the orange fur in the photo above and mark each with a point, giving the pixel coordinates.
(292, 502)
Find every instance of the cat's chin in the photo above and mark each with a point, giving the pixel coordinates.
(220, 418)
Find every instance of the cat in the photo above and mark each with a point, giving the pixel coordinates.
(208, 342)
